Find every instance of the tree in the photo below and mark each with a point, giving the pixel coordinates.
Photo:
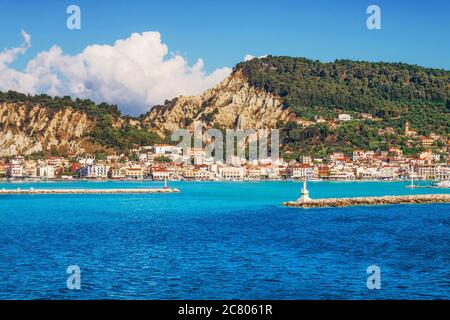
(162, 159)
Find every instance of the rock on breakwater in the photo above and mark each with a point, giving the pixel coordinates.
(345, 202)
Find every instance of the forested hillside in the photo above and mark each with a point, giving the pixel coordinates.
(393, 93)
(385, 90)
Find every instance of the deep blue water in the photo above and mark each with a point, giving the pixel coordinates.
(221, 241)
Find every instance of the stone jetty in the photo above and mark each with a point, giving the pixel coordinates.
(19, 191)
(370, 201)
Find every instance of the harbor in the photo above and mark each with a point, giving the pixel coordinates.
(29, 191)
(305, 201)
(244, 219)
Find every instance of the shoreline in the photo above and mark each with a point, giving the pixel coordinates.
(6, 180)
(87, 191)
(370, 201)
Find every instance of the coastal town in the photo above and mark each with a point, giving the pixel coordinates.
(167, 162)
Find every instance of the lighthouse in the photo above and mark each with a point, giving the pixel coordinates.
(304, 193)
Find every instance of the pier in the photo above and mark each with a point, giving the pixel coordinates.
(370, 201)
(86, 191)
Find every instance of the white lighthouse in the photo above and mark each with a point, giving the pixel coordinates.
(304, 193)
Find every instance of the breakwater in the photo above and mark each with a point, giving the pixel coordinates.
(86, 191)
(370, 201)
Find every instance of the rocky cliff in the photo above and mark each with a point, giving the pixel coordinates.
(27, 129)
(231, 104)
(64, 126)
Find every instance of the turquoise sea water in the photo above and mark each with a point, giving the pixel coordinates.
(219, 240)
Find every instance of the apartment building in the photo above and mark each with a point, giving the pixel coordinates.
(232, 173)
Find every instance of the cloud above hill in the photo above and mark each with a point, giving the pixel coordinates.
(249, 57)
(135, 73)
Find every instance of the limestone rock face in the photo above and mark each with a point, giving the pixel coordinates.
(26, 129)
(232, 104)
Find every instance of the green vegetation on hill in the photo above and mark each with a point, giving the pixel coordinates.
(121, 138)
(58, 103)
(385, 90)
(320, 140)
(394, 93)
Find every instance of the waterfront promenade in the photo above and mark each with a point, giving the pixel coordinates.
(383, 200)
(86, 191)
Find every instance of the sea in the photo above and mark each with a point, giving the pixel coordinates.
(221, 240)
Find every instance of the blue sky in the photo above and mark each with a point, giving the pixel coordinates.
(172, 48)
(222, 32)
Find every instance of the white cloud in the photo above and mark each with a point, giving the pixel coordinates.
(134, 73)
(7, 56)
(26, 38)
(249, 57)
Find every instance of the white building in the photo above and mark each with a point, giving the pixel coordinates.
(160, 174)
(302, 172)
(305, 159)
(143, 157)
(203, 175)
(433, 172)
(14, 171)
(236, 161)
(87, 160)
(94, 172)
(117, 172)
(344, 117)
(198, 155)
(254, 173)
(46, 172)
(114, 158)
(18, 160)
(378, 173)
(232, 173)
(359, 155)
(30, 169)
(163, 148)
(135, 172)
